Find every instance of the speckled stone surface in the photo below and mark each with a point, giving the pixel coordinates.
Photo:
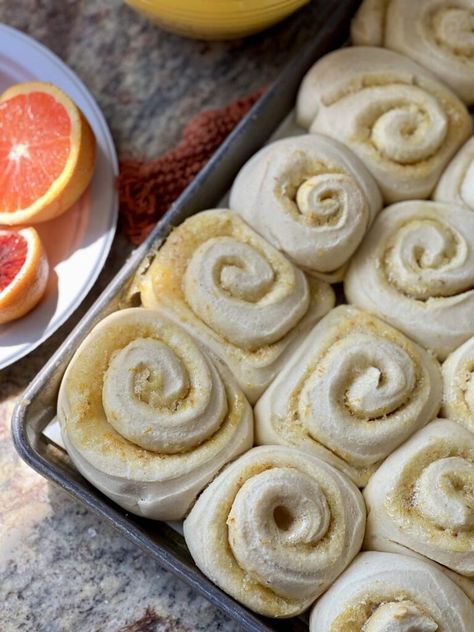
(61, 568)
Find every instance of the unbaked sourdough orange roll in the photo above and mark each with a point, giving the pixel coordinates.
(421, 498)
(435, 33)
(456, 185)
(147, 417)
(415, 269)
(395, 115)
(235, 293)
(312, 198)
(458, 385)
(354, 391)
(386, 592)
(275, 529)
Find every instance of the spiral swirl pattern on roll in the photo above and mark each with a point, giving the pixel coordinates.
(387, 592)
(283, 525)
(394, 114)
(422, 497)
(355, 391)
(415, 270)
(236, 293)
(147, 417)
(456, 184)
(438, 34)
(154, 400)
(235, 290)
(311, 197)
(458, 385)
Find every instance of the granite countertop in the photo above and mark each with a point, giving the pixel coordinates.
(61, 567)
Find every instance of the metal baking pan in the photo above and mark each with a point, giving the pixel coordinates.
(37, 407)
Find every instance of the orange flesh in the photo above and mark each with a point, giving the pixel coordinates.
(13, 250)
(34, 147)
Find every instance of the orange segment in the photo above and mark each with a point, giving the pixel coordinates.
(13, 251)
(47, 153)
(23, 272)
(25, 151)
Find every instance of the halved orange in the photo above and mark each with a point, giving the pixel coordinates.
(23, 272)
(47, 153)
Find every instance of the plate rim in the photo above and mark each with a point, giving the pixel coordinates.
(12, 36)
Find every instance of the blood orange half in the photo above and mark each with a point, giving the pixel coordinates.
(47, 153)
(23, 272)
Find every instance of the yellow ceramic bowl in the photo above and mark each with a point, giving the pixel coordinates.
(216, 19)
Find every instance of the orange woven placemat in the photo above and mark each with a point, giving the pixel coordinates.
(147, 189)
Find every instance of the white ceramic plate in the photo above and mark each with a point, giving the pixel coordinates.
(78, 241)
